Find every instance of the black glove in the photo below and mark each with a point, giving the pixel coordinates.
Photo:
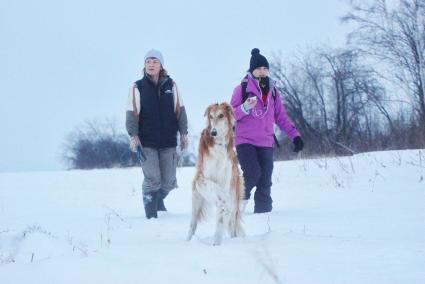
(298, 143)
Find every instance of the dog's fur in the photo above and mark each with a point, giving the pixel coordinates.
(217, 180)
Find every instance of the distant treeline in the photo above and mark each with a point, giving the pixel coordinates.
(99, 144)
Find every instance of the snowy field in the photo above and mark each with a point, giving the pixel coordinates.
(357, 219)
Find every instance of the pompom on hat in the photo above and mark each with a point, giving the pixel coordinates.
(257, 60)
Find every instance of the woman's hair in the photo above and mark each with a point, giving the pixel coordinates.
(162, 73)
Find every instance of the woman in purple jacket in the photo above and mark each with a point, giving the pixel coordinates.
(254, 130)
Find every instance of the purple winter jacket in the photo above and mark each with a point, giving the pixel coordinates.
(256, 126)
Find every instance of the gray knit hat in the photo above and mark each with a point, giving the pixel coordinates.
(153, 53)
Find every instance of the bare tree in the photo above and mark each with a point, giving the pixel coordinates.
(395, 35)
(351, 105)
(332, 98)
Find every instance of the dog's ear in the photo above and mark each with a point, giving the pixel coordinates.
(209, 108)
(227, 107)
(207, 111)
(229, 113)
(207, 115)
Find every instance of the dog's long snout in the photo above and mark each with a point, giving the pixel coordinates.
(213, 132)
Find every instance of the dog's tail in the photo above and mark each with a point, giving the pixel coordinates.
(238, 183)
(238, 186)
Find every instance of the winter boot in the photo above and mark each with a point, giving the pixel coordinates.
(161, 196)
(150, 201)
(263, 200)
(262, 207)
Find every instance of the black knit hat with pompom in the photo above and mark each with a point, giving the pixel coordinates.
(257, 60)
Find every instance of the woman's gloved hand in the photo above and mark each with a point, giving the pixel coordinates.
(298, 144)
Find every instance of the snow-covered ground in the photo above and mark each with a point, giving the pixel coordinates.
(357, 219)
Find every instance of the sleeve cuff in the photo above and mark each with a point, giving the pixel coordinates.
(243, 109)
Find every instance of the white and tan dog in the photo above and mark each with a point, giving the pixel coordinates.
(217, 180)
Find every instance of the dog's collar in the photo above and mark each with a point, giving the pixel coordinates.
(221, 144)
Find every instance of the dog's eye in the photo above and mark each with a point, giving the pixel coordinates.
(220, 115)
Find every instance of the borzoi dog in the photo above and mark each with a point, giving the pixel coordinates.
(217, 180)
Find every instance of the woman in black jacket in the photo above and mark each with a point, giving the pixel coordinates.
(154, 115)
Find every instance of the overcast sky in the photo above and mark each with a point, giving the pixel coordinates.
(63, 62)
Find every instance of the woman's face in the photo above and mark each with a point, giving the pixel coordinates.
(152, 66)
(261, 72)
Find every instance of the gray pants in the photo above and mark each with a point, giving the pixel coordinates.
(159, 169)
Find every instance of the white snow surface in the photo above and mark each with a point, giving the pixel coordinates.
(358, 219)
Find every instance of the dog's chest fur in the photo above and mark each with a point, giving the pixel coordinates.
(217, 176)
(217, 166)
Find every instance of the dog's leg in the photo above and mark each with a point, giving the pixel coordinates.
(235, 223)
(232, 227)
(209, 188)
(223, 218)
(197, 206)
(218, 236)
(237, 230)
